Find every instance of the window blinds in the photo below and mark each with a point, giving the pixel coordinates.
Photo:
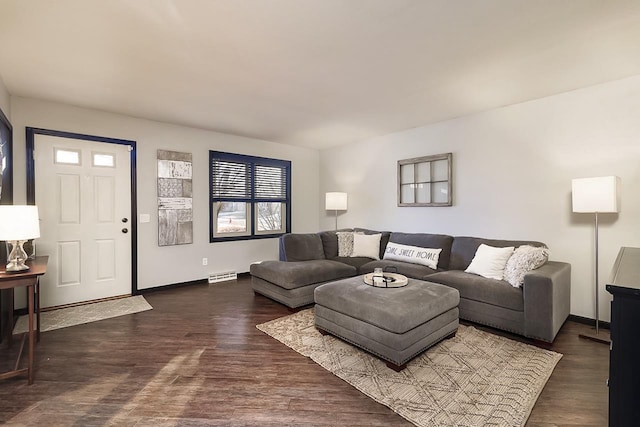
(231, 179)
(270, 183)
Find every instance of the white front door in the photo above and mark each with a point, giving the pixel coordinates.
(83, 193)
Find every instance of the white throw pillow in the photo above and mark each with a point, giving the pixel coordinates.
(412, 254)
(523, 260)
(489, 261)
(345, 243)
(366, 245)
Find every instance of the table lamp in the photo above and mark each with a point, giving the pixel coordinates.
(18, 223)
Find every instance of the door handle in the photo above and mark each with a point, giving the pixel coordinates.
(125, 231)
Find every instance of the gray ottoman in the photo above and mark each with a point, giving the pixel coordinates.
(394, 324)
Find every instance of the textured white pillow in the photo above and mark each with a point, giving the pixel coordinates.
(366, 245)
(489, 262)
(345, 243)
(523, 260)
(412, 254)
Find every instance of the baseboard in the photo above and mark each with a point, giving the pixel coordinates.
(172, 286)
(181, 284)
(589, 321)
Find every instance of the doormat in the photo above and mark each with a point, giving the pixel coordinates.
(473, 379)
(71, 316)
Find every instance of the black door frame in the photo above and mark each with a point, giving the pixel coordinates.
(6, 198)
(31, 182)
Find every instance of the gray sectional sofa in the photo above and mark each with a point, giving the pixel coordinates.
(537, 310)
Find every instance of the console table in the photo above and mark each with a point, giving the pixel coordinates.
(624, 369)
(28, 279)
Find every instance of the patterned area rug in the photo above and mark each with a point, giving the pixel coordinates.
(71, 316)
(474, 379)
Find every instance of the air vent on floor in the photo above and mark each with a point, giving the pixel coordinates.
(222, 277)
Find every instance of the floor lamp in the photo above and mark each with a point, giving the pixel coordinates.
(596, 195)
(336, 202)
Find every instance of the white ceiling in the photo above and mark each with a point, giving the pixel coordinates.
(314, 73)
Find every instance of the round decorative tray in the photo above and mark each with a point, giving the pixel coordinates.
(389, 280)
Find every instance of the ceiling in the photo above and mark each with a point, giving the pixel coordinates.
(313, 73)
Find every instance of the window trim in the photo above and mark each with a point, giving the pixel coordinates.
(242, 234)
(251, 201)
(283, 220)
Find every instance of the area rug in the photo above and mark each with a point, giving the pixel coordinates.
(71, 316)
(474, 379)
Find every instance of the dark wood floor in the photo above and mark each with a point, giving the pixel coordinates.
(197, 359)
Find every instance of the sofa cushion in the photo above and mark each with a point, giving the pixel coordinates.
(413, 254)
(464, 249)
(415, 271)
(292, 275)
(384, 238)
(426, 240)
(366, 245)
(478, 288)
(345, 243)
(354, 261)
(490, 261)
(301, 247)
(523, 260)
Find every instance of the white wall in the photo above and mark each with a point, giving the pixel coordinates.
(5, 100)
(512, 178)
(174, 264)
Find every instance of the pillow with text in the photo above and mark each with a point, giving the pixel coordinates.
(412, 254)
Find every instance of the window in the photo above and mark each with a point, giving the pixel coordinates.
(66, 157)
(106, 160)
(425, 181)
(250, 196)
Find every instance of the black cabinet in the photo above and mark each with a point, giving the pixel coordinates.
(624, 358)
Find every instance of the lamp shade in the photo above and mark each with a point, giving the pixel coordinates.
(19, 222)
(336, 201)
(600, 194)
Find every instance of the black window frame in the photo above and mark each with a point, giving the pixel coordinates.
(252, 200)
